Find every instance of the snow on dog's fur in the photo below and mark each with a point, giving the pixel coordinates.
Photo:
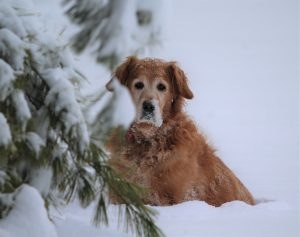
(163, 151)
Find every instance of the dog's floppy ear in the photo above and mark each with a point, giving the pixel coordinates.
(179, 81)
(122, 72)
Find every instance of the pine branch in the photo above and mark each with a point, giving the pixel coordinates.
(90, 15)
(138, 217)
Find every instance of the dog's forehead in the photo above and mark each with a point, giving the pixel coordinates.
(150, 68)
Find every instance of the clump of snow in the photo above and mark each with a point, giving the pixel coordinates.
(5, 135)
(22, 110)
(26, 10)
(12, 48)
(29, 216)
(6, 76)
(9, 19)
(34, 141)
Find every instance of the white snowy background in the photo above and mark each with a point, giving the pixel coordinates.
(241, 57)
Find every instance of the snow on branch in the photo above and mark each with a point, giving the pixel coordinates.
(36, 87)
(5, 135)
(7, 77)
(115, 29)
(12, 49)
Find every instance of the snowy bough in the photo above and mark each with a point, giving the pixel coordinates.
(44, 142)
(115, 29)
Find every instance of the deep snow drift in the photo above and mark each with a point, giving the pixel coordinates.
(29, 217)
(276, 219)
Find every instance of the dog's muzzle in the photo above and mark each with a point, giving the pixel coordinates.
(150, 113)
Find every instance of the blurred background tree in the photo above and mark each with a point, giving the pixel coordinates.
(113, 30)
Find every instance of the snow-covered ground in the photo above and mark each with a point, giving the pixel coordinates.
(28, 218)
(241, 58)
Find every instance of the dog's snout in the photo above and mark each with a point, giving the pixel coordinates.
(148, 106)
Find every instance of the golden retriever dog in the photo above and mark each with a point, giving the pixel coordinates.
(163, 151)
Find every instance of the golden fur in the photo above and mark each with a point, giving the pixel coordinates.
(173, 161)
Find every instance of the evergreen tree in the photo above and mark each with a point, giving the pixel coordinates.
(116, 28)
(44, 140)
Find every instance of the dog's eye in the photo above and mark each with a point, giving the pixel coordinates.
(139, 85)
(161, 87)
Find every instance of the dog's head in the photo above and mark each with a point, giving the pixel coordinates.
(157, 88)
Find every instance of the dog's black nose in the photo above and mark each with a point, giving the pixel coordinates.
(148, 106)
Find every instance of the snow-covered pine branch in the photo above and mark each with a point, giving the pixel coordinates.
(117, 28)
(38, 106)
